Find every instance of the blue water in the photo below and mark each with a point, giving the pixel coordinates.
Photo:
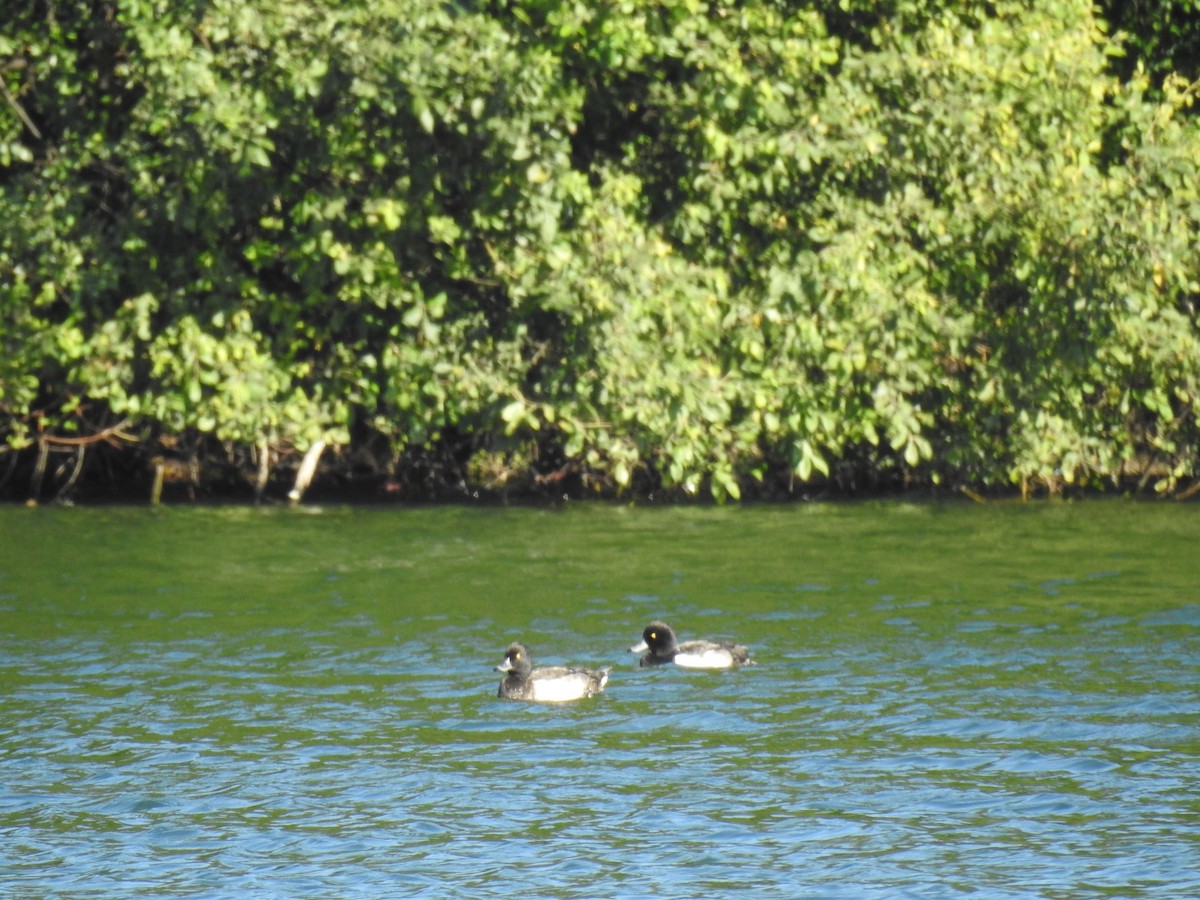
(949, 701)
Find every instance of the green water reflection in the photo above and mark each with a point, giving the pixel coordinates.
(949, 699)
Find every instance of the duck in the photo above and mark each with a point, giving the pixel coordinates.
(659, 639)
(550, 684)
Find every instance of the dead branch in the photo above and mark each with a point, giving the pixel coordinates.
(109, 436)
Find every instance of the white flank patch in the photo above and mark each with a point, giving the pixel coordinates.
(714, 658)
(559, 690)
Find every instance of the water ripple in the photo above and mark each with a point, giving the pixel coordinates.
(1025, 723)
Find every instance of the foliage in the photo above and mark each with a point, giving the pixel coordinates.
(688, 245)
(1162, 37)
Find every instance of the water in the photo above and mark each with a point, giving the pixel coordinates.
(950, 701)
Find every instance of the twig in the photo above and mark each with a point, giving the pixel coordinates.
(62, 492)
(39, 471)
(1190, 492)
(308, 468)
(264, 469)
(115, 431)
(19, 110)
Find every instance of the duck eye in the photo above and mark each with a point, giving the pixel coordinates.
(516, 655)
(654, 635)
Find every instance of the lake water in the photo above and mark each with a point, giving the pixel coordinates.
(949, 701)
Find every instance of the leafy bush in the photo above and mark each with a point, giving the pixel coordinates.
(681, 245)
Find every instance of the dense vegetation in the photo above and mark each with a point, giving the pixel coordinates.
(711, 248)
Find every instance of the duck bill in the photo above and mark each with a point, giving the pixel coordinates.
(639, 648)
(505, 666)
